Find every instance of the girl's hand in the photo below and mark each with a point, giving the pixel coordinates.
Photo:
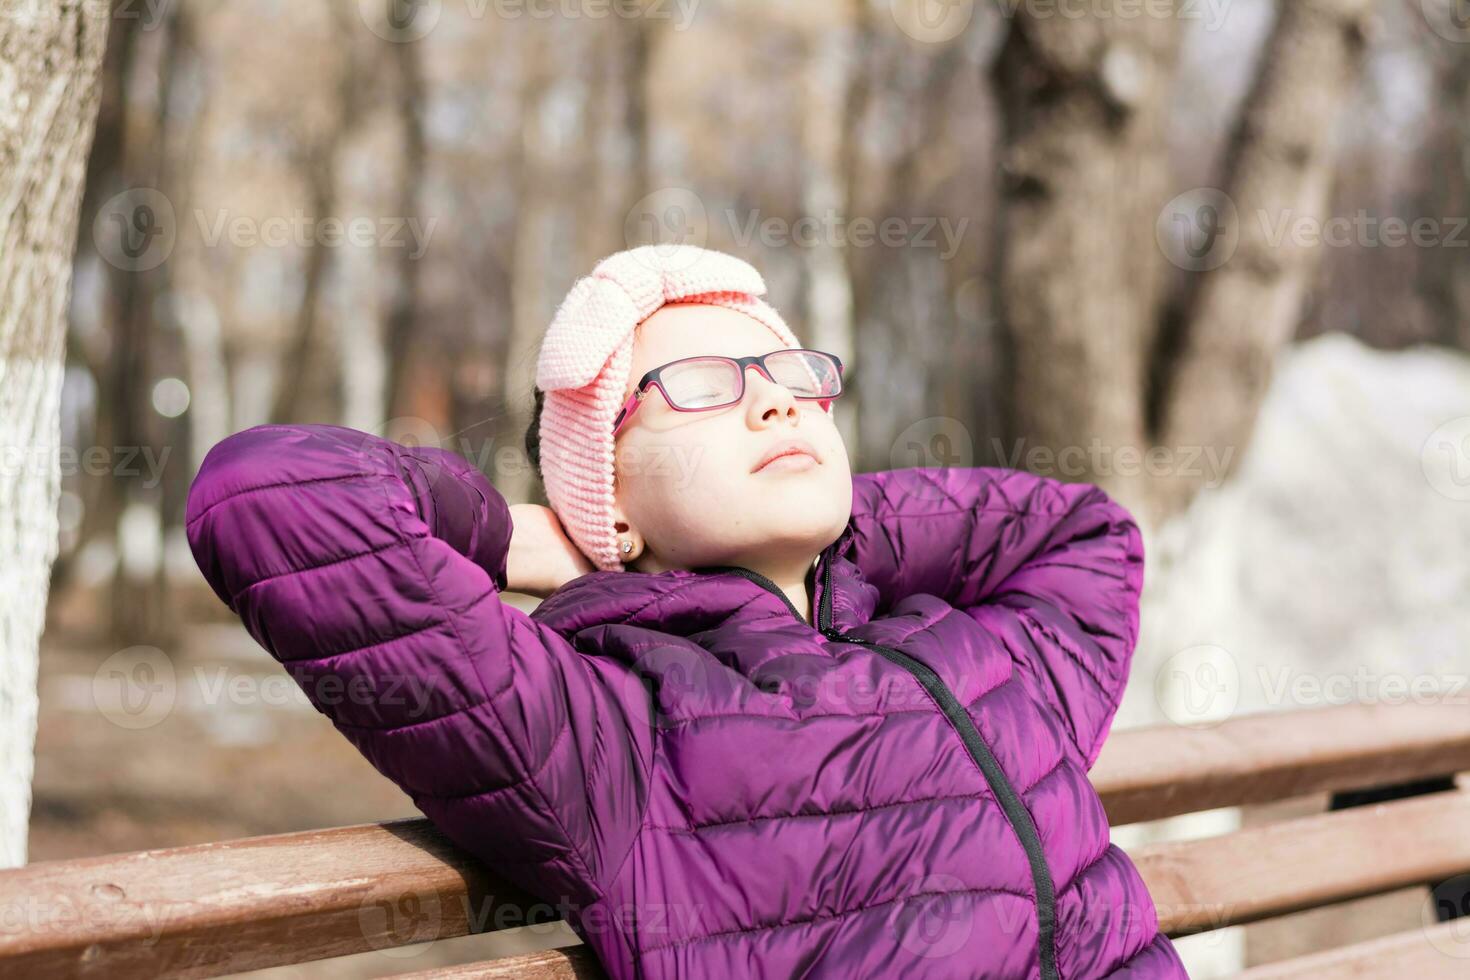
(542, 558)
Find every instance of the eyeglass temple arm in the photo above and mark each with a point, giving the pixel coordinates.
(627, 409)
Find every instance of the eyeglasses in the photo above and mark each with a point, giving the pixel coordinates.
(705, 383)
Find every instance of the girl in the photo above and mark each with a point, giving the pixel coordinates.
(771, 719)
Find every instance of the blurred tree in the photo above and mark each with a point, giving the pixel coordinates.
(48, 112)
(1214, 365)
(1100, 348)
(403, 324)
(904, 299)
(134, 172)
(318, 159)
(531, 257)
(833, 91)
(1083, 172)
(1444, 169)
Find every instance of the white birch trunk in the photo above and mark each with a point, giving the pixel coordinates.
(50, 56)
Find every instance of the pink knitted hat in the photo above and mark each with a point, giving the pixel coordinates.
(584, 366)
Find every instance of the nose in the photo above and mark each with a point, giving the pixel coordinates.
(769, 402)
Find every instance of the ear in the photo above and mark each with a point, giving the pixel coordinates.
(626, 532)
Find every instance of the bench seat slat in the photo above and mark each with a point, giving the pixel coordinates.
(568, 963)
(1285, 867)
(1437, 952)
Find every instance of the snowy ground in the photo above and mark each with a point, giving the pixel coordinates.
(1333, 567)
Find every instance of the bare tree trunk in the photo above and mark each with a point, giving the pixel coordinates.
(139, 596)
(1084, 178)
(616, 160)
(925, 332)
(531, 256)
(1444, 274)
(1084, 169)
(99, 511)
(826, 189)
(403, 324)
(46, 124)
(857, 99)
(321, 158)
(640, 39)
(1279, 169)
(298, 360)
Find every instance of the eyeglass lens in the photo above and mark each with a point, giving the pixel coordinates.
(709, 382)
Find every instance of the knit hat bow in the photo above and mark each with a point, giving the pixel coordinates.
(623, 290)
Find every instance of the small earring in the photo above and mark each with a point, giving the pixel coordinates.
(627, 547)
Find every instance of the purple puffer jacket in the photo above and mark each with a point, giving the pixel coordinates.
(708, 785)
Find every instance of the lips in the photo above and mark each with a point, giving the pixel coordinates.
(787, 447)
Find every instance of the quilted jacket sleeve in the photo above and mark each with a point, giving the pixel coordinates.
(1053, 569)
(372, 572)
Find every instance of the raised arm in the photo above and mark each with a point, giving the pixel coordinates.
(373, 573)
(1053, 569)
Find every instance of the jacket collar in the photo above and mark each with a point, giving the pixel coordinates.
(688, 601)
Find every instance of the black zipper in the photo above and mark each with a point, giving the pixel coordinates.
(1000, 785)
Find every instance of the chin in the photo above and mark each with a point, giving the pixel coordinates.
(816, 522)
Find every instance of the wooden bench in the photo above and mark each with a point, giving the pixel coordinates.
(239, 905)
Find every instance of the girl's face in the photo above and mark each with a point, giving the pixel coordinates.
(686, 484)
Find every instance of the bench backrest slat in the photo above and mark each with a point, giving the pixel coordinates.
(245, 904)
(1167, 770)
